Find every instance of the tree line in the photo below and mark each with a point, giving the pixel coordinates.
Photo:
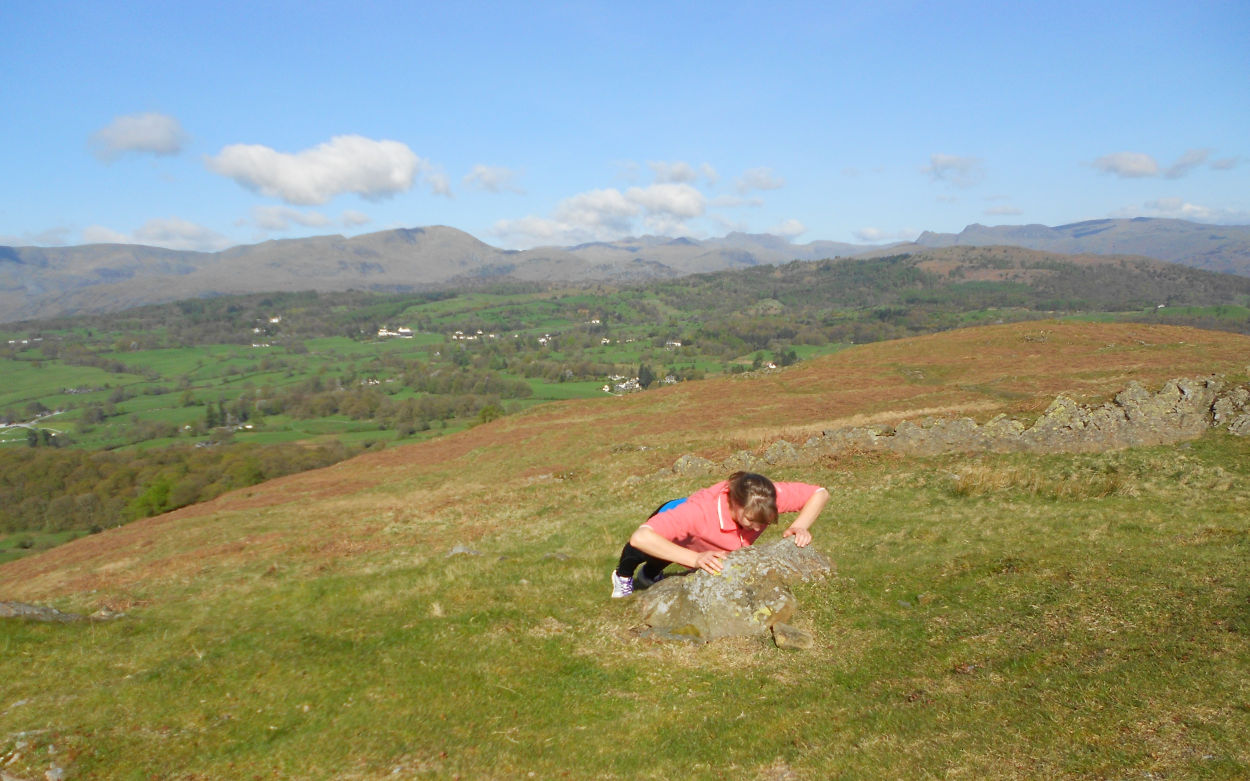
(65, 489)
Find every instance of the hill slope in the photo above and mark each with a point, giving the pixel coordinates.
(442, 608)
(1015, 369)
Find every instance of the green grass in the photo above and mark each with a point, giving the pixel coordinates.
(991, 617)
(560, 391)
(18, 544)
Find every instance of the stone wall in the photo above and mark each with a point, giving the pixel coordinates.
(1182, 410)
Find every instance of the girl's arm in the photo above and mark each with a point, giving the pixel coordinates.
(650, 542)
(807, 516)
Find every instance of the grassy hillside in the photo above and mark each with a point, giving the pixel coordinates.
(202, 396)
(1068, 616)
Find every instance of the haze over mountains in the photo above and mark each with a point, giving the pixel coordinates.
(1222, 248)
(39, 282)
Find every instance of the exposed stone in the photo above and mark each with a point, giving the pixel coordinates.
(864, 437)
(1002, 427)
(749, 595)
(1230, 407)
(1182, 410)
(781, 452)
(36, 613)
(744, 461)
(693, 465)
(932, 436)
(1240, 426)
(462, 550)
(791, 638)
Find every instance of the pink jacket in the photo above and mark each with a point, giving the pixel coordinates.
(704, 523)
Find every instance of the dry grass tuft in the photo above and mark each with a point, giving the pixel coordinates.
(986, 479)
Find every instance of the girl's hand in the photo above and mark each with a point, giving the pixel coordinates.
(802, 537)
(709, 561)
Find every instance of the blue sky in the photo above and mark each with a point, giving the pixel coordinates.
(205, 125)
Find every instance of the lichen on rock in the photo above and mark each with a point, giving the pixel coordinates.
(748, 597)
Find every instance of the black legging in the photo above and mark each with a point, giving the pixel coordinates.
(631, 557)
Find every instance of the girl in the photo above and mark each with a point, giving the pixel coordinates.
(698, 531)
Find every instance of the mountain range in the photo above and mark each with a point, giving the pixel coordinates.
(40, 282)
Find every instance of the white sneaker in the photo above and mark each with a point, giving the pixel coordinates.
(621, 587)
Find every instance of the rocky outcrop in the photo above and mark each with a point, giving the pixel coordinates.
(50, 614)
(1181, 410)
(750, 596)
(36, 613)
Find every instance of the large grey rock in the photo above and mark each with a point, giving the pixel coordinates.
(750, 595)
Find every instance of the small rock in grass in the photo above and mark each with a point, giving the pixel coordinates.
(792, 638)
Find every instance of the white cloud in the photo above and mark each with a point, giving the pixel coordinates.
(151, 133)
(352, 218)
(50, 237)
(1187, 162)
(709, 173)
(875, 235)
(666, 225)
(1180, 209)
(167, 232)
(534, 231)
(1128, 165)
(788, 228)
(493, 178)
(280, 218)
(626, 170)
(678, 200)
(672, 172)
(726, 225)
(603, 215)
(599, 213)
(759, 179)
(439, 184)
(1137, 165)
(98, 234)
(667, 172)
(955, 170)
(734, 202)
(344, 164)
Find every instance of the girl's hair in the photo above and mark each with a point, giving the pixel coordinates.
(756, 495)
